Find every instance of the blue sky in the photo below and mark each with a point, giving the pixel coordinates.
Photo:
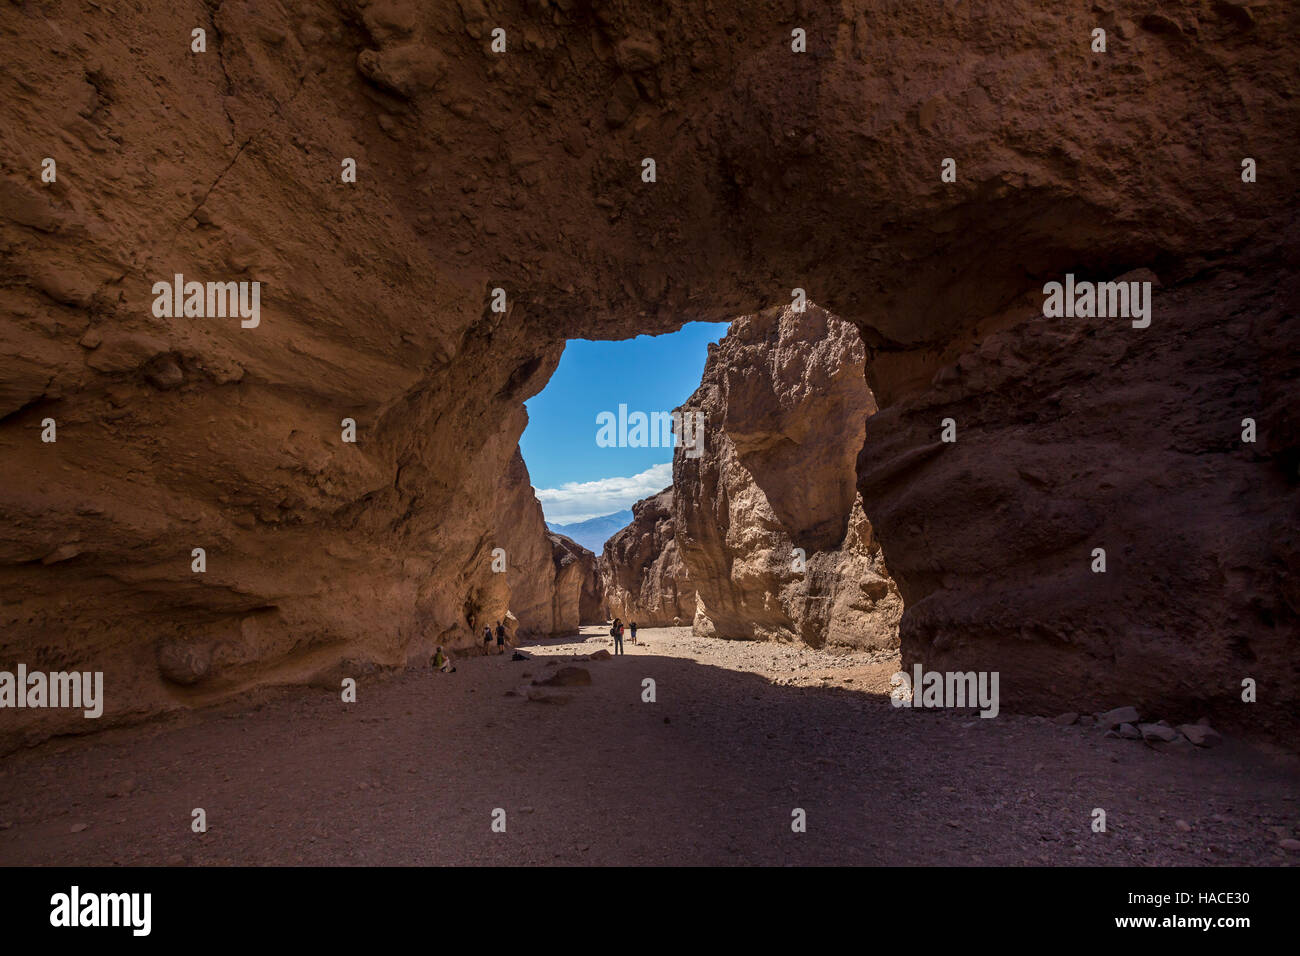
(575, 478)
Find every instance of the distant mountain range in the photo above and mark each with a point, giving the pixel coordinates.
(594, 532)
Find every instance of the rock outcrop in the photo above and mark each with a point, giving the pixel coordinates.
(526, 557)
(768, 519)
(642, 576)
(520, 171)
(1098, 531)
(576, 598)
(549, 581)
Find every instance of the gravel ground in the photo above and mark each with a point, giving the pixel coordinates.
(740, 735)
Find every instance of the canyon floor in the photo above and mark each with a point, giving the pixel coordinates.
(739, 736)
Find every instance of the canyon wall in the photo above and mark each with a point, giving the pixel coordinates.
(1070, 439)
(528, 585)
(768, 518)
(521, 171)
(642, 575)
(576, 594)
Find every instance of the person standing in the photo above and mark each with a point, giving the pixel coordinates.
(617, 631)
(501, 638)
(632, 628)
(487, 638)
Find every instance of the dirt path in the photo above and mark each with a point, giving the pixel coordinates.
(710, 773)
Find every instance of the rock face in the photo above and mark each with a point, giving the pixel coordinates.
(768, 518)
(576, 597)
(549, 582)
(1084, 435)
(642, 576)
(520, 172)
(526, 555)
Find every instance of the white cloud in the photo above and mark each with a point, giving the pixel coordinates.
(580, 500)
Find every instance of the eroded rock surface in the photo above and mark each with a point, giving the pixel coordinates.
(776, 170)
(1090, 434)
(768, 519)
(576, 593)
(642, 575)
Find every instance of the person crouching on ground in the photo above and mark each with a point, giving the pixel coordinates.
(442, 661)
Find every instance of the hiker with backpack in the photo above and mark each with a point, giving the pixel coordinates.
(616, 632)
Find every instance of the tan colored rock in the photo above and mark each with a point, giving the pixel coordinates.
(768, 520)
(529, 560)
(550, 580)
(576, 599)
(641, 572)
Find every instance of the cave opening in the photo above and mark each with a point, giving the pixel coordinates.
(599, 435)
(761, 419)
(373, 229)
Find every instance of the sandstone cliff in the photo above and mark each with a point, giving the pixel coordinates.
(521, 171)
(642, 576)
(768, 519)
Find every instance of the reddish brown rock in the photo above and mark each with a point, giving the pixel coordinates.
(775, 170)
(1079, 434)
(768, 519)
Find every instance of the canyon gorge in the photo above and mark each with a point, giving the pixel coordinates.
(329, 553)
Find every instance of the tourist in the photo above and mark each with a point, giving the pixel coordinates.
(501, 638)
(442, 662)
(632, 627)
(487, 638)
(617, 632)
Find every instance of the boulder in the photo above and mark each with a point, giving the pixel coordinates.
(1201, 734)
(567, 677)
(1152, 732)
(1120, 715)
